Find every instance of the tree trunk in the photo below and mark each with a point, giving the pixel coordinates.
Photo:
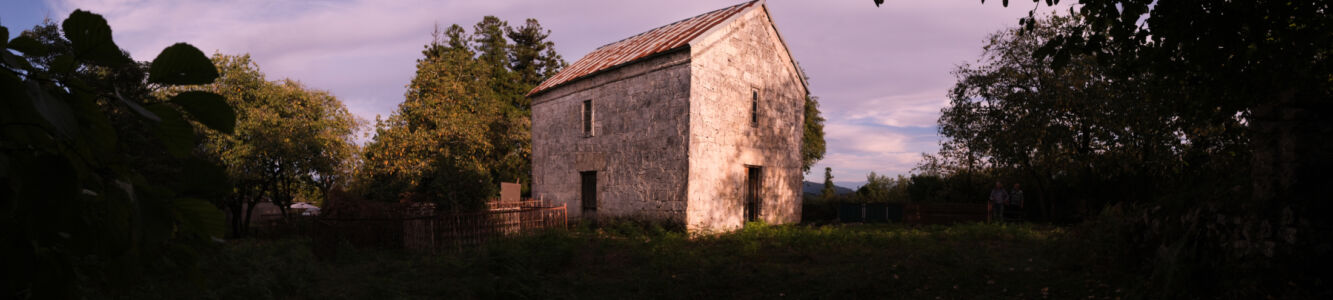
(1292, 149)
(282, 199)
(1292, 140)
(249, 212)
(235, 217)
(1042, 195)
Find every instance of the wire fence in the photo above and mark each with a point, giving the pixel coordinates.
(945, 213)
(430, 232)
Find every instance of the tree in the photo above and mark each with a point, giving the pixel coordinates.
(812, 139)
(1212, 71)
(288, 139)
(876, 189)
(532, 57)
(99, 180)
(1266, 63)
(436, 147)
(828, 192)
(465, 124)
(1014, 111)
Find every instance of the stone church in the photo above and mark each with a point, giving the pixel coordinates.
(698, 122)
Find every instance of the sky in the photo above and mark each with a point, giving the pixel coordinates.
(881, 74)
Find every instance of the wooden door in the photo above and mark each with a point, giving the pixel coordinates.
(753, 193)
(588, 191)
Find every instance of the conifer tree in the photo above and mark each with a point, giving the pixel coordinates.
(828, 184)
(465, 125)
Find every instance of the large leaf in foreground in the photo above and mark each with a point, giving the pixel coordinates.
(91, 38)
(208, 108)
(53, 110)
(175, 133)
(182, 64)
(198, 217)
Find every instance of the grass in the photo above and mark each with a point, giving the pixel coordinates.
(628, 260)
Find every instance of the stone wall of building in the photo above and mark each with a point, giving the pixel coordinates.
(726, 65)
(640, 124)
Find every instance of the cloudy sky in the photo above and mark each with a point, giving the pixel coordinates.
(881, 73)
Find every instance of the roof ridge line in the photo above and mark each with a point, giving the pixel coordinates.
(674, 23)
(644, 44)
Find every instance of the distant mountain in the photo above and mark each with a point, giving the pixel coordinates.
(817, 188)
(850, 184)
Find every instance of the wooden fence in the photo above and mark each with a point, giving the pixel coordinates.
(433, 233)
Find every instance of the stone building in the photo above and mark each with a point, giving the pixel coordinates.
(698, 122)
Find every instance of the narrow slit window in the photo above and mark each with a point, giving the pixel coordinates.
(754, 108)
(587, 117)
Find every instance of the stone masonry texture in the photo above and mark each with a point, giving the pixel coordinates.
(672, 135)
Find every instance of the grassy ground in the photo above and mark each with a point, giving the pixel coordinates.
(628, 260)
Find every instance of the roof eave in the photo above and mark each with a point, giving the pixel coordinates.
(732, 13)
(800, 73)
(763, 4)
(535, 93)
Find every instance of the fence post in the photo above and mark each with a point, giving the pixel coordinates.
(990, 213)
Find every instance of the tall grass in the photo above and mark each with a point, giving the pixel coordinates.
(637, 260)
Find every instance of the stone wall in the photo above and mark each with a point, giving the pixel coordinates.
(743, 55)
(673, 136)
(639, 144)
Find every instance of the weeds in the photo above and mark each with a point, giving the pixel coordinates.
(643, 260)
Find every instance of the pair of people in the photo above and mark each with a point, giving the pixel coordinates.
(999, 198)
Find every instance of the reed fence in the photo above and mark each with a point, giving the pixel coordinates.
(431, 232)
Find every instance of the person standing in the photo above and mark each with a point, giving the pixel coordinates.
(1016, 199)
(1016, 196)
(998, 198)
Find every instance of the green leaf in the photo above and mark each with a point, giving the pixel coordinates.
(1061, 59)
(208, 108)
(4, 170)
(120, 201)
(97, 130)
(91, 38)
(175, 133)
(14, 61)
(200, 178)
(138, 108)
(28, 46)
(153, 206)
(1044, 51)
(62, 64)
(47, 187)
(182, 64)
(198, 217)
(54, 110)
(85, 29)
(53, 277)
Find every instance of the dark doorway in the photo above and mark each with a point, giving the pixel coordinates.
(588, 191)
(754, 183)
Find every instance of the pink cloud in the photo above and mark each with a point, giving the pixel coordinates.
(872, 67)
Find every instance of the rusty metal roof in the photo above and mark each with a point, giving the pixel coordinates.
(657, 40)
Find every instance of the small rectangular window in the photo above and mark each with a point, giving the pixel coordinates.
(754, 108)
(587, 117)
